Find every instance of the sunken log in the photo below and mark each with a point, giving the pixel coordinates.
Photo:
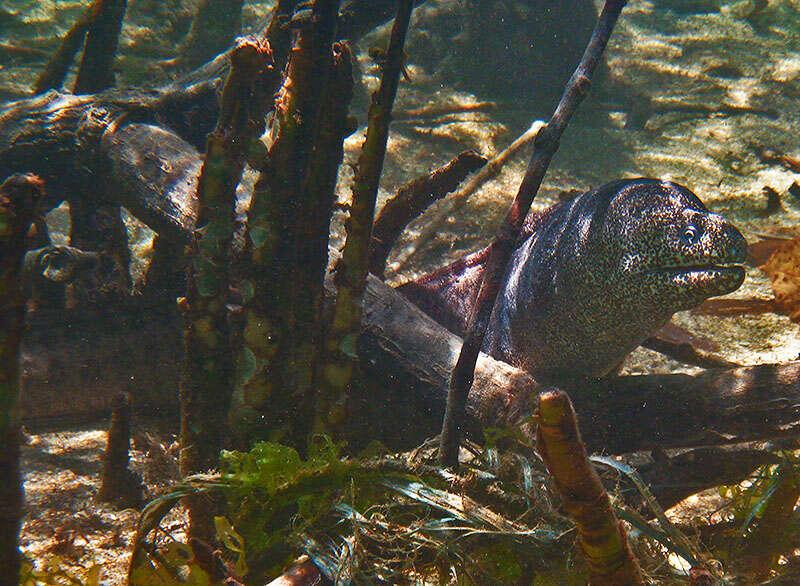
(80, 143)
(412, 357)
(73, 369)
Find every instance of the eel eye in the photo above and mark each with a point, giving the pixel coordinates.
(691, 235)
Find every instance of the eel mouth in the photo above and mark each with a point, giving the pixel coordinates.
(711, 269)
(714, 279)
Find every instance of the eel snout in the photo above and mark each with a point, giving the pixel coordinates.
(714, 263)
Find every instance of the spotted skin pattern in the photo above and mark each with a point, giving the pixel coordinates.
(594, 277)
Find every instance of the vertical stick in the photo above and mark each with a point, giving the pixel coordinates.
(314, 233)
(208, 379)
(351, 272)
(18, 197)
(96, 71)
(583, 497)
(545, 146)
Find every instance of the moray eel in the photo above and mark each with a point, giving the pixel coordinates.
(593, 277)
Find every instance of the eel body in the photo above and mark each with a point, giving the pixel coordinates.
(593, 277)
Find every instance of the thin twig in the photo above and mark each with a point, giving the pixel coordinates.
(686, 353)
(460, 197)
(545, 146)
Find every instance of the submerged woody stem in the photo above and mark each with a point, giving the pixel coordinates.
(18, 197)
(208, 379)
(584, 498)
(545, 146)
(284, 272)
(351, 271)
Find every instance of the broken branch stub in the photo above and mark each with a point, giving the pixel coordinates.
(583, 496)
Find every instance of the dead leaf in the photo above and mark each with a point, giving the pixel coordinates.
(760, 251)
(783, 269)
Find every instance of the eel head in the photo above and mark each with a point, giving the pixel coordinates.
(675, 251)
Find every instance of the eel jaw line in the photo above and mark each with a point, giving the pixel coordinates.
(726, 268)
(714, 278)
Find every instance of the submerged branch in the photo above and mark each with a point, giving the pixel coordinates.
(19, 195)
(284, 271)
(411, 200)
(118, 484)
(351, 271)
(216, 23)
(545, 146)
(686, 353)
(436, 110)
(461, 196)
(96, 71)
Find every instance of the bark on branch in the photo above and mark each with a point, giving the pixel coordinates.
(283, 267)
(56, 71)
(545, 146)
(351, 271)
